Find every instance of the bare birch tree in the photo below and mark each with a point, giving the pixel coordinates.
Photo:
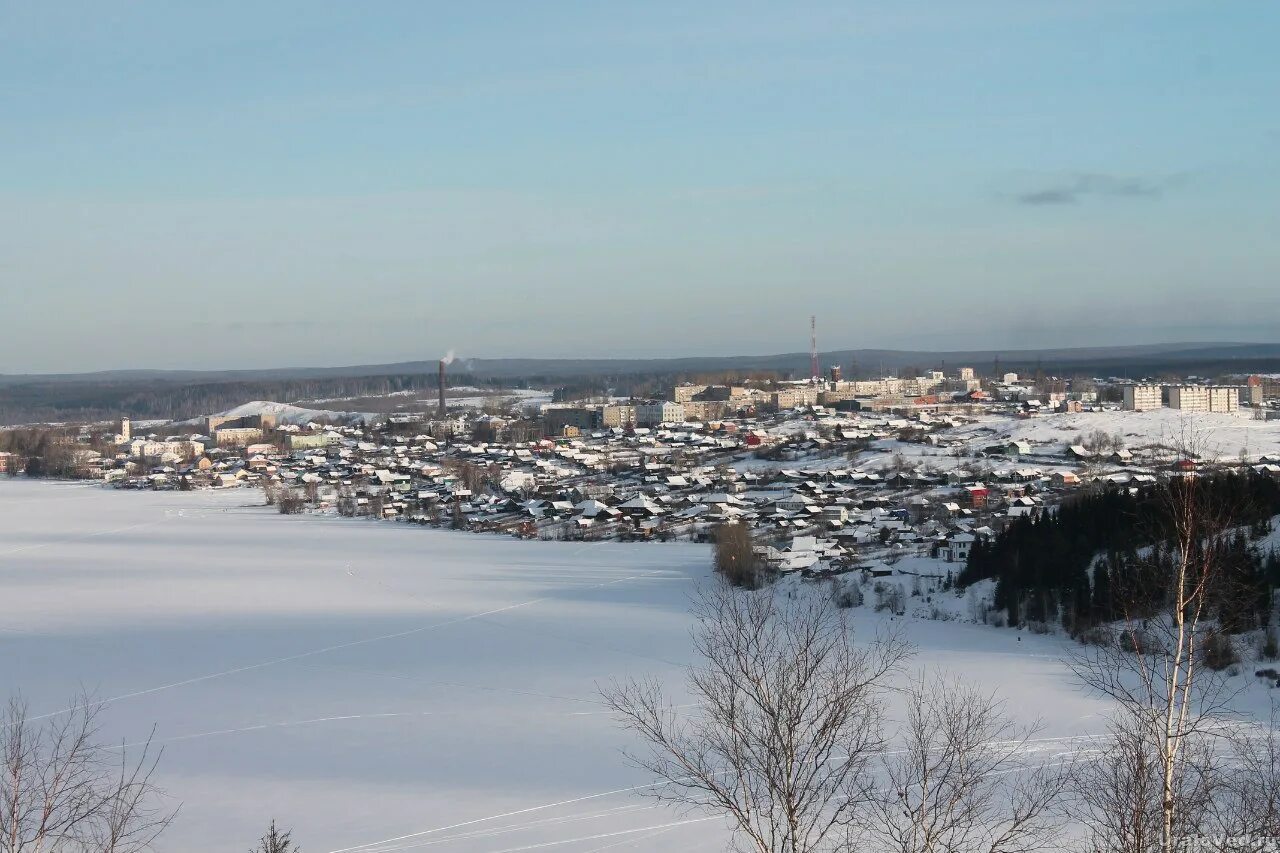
(788, 727)
(1119, 792)
(61, 790)
(960, 780)
(1151, 664)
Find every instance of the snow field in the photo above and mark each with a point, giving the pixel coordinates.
(380, 687)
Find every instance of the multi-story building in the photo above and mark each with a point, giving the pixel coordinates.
(237, 436)
(167, 450)
(1252, 392)
(1204, 398)
(1189, 398)
(685, 393)
(966, 374)
(654, 412)
(1224, 398)
(1141, 398)
(556, 418)
(922, 385)
(720, 393)
(795, 396)
(618, 415)
(832, 396)
(311, 440)
(264, 422)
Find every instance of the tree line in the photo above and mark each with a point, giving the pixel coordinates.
(1076, 563)
(43, 402)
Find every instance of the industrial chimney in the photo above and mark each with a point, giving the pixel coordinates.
(443, 410)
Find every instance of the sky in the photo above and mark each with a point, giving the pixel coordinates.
(271, 184)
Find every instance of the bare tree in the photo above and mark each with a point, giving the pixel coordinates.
(1119, 792)
(735, 558)
(961, 782)
(1247, 796)
(1151, 665)
(60, 790)
(276, 841)
(789, 722)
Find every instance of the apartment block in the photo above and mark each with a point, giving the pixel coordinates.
(657, 412)
(790, 398)
(1204, 398)
(1142, 398)
(685, 393)
(556, 418)
(618, 415)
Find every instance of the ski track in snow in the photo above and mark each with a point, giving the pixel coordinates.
(70, 539)
(333, 648)
(521, 826)
(395, 844)
(373, 846)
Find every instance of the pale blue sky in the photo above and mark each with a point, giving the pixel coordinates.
(267, 184)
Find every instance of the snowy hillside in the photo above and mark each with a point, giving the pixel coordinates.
(287, 414)
(1223, 435)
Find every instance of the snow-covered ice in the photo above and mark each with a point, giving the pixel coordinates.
(383, 687)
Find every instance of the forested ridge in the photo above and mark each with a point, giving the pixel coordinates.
(66, 402)
(1104, 552)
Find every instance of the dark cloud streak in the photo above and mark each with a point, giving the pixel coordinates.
(1079, 187)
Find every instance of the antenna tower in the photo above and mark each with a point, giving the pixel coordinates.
(813, 346)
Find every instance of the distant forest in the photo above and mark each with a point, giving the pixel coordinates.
(142, 399)
(77, 401)
(1081, 563)
(27, 399)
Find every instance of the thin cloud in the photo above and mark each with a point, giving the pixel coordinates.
(1081, 187)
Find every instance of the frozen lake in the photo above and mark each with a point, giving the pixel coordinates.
(381, 687)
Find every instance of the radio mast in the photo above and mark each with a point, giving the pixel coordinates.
(813, 346)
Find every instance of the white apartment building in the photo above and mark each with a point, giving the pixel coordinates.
(657, 412)
(1142, 398)
(966, 374)
(1224, 399)
(172, 449)
(891, 386)
(1204, 398)
(794, 397)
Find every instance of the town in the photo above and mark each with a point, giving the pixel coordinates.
(827, 474)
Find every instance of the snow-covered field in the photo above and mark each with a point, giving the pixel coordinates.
(1220, 435)
(1213, 435)
(379, 687)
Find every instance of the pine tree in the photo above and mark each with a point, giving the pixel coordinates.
(1102, 603)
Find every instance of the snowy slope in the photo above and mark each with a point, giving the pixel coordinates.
(287, 414)
(1222, 435)
(382, 687)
